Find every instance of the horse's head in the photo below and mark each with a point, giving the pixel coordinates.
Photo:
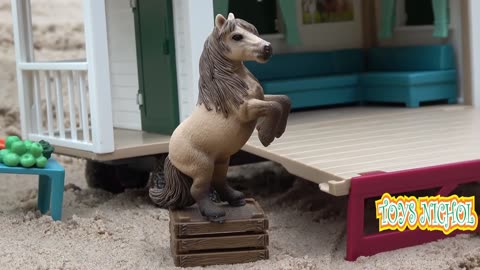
(240, 40)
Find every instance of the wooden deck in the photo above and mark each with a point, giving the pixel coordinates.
(331, 146)
(128, 144)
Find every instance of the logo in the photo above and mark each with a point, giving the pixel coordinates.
(434, 213)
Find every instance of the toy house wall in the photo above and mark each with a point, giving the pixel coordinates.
(324, 36)
(423, 35)
(193, 23)
(123, 64)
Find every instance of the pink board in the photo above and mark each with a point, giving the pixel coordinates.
(446, 177)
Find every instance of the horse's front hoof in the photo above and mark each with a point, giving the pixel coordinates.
(266, 138)
(280, 131)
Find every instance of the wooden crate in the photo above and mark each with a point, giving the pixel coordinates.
(241, 238)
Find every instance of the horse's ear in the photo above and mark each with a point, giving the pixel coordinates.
(231, 16)
(220, 21)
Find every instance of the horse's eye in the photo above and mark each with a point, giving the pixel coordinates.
(237, 37)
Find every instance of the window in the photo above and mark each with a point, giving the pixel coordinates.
(418, 12)
(261, 13)
(415, 15)
(265, 15)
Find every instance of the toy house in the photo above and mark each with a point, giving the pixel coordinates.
(140, 76)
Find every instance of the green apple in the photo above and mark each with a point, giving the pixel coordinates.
(19, 148)
(42, 162)
(10, 140)
(27, 160)
(36, 149)
(28, 144)
(11, 159)
(3, 153)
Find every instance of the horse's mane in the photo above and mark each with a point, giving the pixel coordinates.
(220, 87)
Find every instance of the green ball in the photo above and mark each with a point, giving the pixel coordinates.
(42, 162)
(36, 149)
(11, 159)
(27, 160)
(28, 144)
(19, 148)
(10, 140)
(3, 153)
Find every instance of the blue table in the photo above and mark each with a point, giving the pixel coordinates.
(50, 185)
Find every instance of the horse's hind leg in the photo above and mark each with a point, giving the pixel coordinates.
(226, 192)
(200, 192)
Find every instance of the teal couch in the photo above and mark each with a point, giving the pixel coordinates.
(408, 75)
(313, 78)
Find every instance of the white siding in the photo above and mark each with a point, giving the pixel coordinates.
(123, 64)
(193, 22)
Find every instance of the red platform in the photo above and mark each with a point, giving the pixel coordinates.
(446, 177)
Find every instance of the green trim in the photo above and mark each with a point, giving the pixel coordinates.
(387, 18)
(442, 18)
(289, 13)
(220, 7)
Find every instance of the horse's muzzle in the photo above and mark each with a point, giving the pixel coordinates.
(267, 51)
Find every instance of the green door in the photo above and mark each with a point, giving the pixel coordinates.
(156, 65)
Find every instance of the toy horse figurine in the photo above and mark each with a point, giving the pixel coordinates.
(230, 102)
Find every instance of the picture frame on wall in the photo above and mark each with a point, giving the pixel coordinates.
(327, 11)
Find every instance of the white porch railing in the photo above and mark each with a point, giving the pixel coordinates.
(59, 107)
(66, 103)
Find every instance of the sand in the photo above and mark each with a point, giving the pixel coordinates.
(100, 230)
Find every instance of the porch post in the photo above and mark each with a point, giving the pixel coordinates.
(474, 40)
(96, 46)
(22, 33)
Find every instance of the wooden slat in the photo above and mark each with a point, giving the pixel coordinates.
(53, 65)
(232, 257)
(189, 222)
(71, 101)
(187, 245)
(37, 100)
(83, 107)
(48, 100)
(352, 137)
(356, 165)
(341, 143)
(59, 105)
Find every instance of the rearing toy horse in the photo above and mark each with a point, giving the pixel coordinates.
(230, 102)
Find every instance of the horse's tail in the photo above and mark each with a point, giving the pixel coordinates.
(171, 189)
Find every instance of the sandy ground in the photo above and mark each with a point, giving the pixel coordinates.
(100, 230)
